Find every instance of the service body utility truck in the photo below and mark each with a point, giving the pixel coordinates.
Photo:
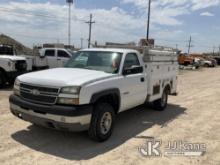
(94, 86)
(11, 65)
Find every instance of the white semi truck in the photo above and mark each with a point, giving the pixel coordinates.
(94, 86)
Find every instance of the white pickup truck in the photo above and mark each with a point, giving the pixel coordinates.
(93, 87)
(49, 58)
(11, 65)
(55, 57)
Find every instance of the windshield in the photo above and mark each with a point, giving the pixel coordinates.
(96, 60)
(6, 51)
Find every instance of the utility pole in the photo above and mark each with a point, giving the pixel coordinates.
(189, 46)
(213, 50)
(176, 46)
(70, 2)
(90, 22)
(81, 43)
(148, 20)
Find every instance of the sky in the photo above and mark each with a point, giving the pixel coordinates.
(34, 22)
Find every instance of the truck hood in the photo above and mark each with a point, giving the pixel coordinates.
(60, 77)
(13, 58)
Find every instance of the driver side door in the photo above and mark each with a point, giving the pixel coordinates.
(134, 87)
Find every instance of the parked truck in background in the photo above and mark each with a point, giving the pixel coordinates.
(55, 57)
(11, 65)
(94, 86)
(46, 58)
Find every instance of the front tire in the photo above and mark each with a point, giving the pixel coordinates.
(102, 122)
(161, 103)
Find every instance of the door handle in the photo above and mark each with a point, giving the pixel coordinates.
(142, 79)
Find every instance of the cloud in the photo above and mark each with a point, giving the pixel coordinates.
(46, 22)
(202, 4)
(208, 14)
(166, 12)
(34, 23)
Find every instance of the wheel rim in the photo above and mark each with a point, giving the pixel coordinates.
(106, 123)
(164, 99)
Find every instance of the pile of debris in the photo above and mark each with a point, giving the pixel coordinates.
(20, 48)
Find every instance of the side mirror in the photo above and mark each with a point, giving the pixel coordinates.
(133, 70)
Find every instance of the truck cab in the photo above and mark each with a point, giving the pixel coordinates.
(93, 87)
(56, 57)
(11, 65)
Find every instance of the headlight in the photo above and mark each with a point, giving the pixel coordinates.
(11, 63)
(17, 87)
(70, 90)
(68, 101)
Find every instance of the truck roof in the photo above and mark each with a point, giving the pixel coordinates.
(119, 50)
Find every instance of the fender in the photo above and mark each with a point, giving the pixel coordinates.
(100, 94)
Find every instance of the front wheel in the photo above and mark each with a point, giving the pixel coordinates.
(161, 103)
(102, 122)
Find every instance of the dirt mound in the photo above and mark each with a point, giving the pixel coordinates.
(20, 48)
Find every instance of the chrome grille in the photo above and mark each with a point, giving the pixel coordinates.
(21, 65)
(39, 94)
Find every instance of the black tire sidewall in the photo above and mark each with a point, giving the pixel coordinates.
(95, 128)
(158, 103)
(165, 94)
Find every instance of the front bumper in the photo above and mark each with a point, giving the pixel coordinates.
(69, 118)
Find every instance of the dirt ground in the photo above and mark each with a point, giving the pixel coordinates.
(192, 116)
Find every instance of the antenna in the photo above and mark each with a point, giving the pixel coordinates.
(69, 2)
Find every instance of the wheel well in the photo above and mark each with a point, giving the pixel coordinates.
(168, 88)
(112, 99)
(3, 71)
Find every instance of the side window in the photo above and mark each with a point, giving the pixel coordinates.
(63, 54)
(50, 53)
(131, 59)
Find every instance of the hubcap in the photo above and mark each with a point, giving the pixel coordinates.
(106, 123)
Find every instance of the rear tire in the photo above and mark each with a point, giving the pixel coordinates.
(2, 79)
(206, 65)
(102, 122)
(161, 103)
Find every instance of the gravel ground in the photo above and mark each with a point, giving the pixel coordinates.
(192, 116)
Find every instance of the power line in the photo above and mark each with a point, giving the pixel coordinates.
(27, 13)
(90, 22)
(37, 37)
